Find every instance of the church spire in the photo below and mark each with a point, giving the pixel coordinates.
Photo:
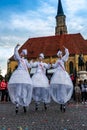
(61, 27)
(60, 9)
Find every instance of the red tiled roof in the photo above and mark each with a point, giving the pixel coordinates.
(49, 45)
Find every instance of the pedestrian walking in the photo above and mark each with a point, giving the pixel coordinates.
(20, 84)
(61, 84)
(41, 90)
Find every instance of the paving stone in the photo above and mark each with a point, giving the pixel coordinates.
(75, 117)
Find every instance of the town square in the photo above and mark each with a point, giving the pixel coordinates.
(43, 65)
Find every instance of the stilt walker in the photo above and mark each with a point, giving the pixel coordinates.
(61, 84)
(41, 90)
(20, 84)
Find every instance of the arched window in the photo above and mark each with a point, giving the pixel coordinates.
(71, 68)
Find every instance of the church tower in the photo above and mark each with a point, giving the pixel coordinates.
(61, 27)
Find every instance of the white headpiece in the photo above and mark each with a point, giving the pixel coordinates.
(59, 53)
(41, 55)
(24, 51)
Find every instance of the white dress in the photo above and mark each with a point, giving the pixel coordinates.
(20, 84)
(61, 84)
(41, 90)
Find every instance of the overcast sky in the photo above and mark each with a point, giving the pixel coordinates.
(23, 19)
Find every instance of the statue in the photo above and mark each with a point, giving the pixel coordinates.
(81, 61)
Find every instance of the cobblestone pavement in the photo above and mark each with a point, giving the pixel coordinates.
(75, 117)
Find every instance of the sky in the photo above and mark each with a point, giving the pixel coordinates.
(24, 19)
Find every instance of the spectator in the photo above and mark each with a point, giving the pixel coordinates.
(83, 91)
(73, 78)
(77, 93)
(3, 90)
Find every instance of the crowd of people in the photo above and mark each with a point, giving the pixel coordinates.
(22, 88)
(80, 92)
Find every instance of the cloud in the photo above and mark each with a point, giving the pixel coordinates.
(40, 20)
(74, 6)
